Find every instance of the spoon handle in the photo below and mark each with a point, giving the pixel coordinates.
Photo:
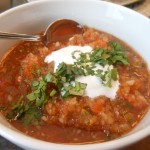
(6, 35)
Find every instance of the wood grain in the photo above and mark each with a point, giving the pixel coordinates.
(141, 145)
(4, 4)
(124, 2)
(144, 8)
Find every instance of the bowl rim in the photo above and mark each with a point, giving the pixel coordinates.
(23, 139)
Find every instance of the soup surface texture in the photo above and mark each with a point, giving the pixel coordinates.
(91, 88)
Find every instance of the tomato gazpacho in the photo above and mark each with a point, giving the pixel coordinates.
(91, 88)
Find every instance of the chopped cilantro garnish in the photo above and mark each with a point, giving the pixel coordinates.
(53, 92)
(29, 108)
(109, 76)
(117, 55)
(76, 89)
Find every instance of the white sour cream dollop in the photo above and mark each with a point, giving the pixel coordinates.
(94, 84)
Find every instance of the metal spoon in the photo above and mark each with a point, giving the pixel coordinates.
(60, 30)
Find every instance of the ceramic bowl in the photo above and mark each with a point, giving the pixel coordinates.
(127, 25)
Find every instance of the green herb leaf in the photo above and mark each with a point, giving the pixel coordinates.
(117, 55)
(53, 92)
(35, 83)
(32, 116)
(114, 74)
(78, 89)
(108, 76)
(31, 96)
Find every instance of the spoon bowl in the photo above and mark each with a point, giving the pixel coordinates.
(59, 30)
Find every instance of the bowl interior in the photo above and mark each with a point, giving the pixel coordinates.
(125, 24)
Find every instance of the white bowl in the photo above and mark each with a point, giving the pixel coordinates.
(131, 27)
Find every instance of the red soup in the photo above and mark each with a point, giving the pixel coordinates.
(92, 88)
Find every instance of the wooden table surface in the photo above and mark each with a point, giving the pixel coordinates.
(141, 145)
(142, 6)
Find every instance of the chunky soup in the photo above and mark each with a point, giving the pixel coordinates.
(91, 88)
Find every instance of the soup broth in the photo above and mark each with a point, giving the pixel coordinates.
(49, 104)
